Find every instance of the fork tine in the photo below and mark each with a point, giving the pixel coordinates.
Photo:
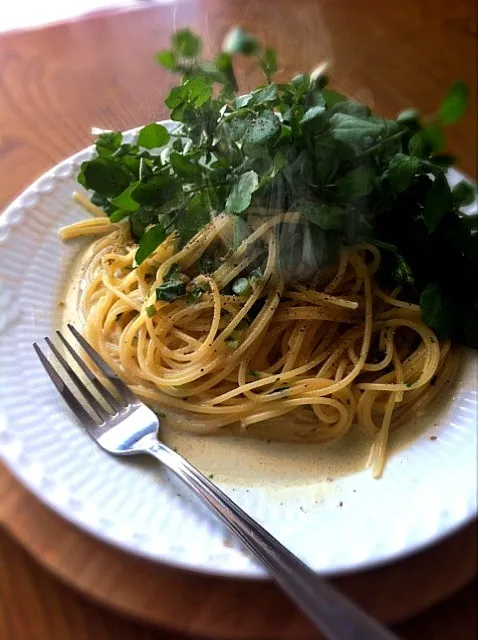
(102, 390)
(104, 367)
(89, 397)
(74, 404)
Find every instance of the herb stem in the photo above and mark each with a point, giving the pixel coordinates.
(377, 146)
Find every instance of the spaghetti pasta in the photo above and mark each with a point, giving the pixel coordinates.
(282, 360)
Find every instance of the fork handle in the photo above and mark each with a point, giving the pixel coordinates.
(336, 616)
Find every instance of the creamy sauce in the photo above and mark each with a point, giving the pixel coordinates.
(248, 462)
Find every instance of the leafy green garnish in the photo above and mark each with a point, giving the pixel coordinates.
(105, 176)
(195, 293)
(151, 239)
(241, 287)
(240, 197)
(238, 41)
(401, 170)
(437, 309)
(454, 105)
(437, 202)
(186, 43)
(153, 136)
(169, 291)
(124, 201)
(296, 146)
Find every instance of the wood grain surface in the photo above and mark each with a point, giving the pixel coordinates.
(57, 82)
(204, 606)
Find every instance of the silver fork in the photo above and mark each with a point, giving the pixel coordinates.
(129, 427)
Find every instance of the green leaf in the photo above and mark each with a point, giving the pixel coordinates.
(105, 176)
(237, 123)
(107, 143)
(266, 94)
(224, 66)
(325, 216)
(167, 59)
(437, 202)
(312, 114)
(80, 178)
(357, 183)
(173, 273)
(198, 90)
(464, 193)
(416, 146)
(176, 97)
(402, 272)
(333, 97)
(199, 211)
(195, 293)
(240, 196)
(278, 163)
(186, 44)
(153, 136)
(263, 128)
(160, 189)
(184, 167)
(151, 239)
(125, 201)
(434, 137)
(141, 219)
(239, 41)
(351, 108)
(240, 231)
(353, 130)
(169, 291)
(401, 170)
(454, 105)
(438, 310)
(269, 62)
(118, 215)
(242, 101)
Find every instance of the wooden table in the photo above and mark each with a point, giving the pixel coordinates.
(56, 82)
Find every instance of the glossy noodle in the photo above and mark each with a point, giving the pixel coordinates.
(282, 360)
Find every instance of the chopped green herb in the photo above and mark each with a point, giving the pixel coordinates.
(173, 273)
(169, 291)
(195, 293)
(241, 287)
(255, 276)
(151, 310)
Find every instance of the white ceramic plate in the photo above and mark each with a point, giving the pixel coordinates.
(317, 500)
